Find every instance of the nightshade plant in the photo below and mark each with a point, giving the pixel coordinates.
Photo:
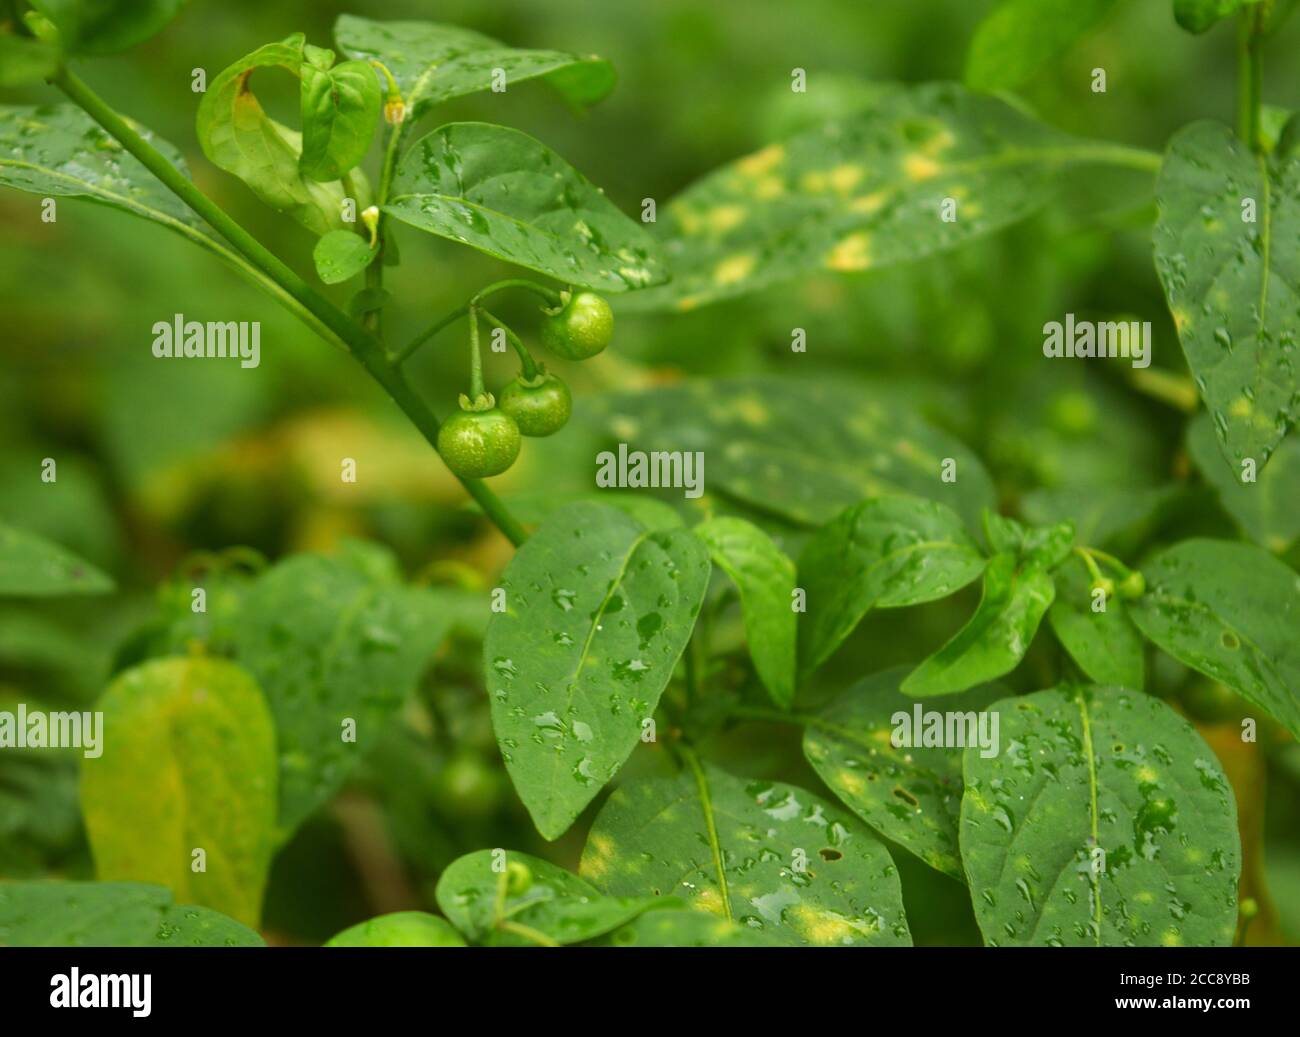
(1098, 815)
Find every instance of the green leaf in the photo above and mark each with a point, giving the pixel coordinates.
(399, 929)
(340, 110)
(506, 194)
(25, 60)
(860, 193)
(598, 611)
(1266, 508)
(476, 892)
(340, 255)
(910, 792)
(1099, 769)
(31, 566)
(684, 929)
(996, 637)
(59, 150)
(1021, 36)
(1231, 285)
(110, 914)
(1099, 513)
(434, 63)
(732, 848)
(888, 552)
(333, 640)
(1199, 15)
(1230, 611)
(764, 576)
(801, 450)
(107, 26)
(1106, 645)
(239, 137)
(188, 763)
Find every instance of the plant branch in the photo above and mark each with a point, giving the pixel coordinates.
(1250, 76)
(527, 364)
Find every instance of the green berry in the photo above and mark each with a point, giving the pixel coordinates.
(581, 329)
(479, 444)
(1134, 585)
(540, 406)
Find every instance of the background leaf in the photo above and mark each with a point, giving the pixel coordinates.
(765, 578)
(25, 60)
(110, 914)
(506, 194)
(434, 63)
(340, 110)
(333, 639)
(1099, 767)
(557, 906)
(1021, 36)
(888, 552)
(31, 566)
(1106, 645)
(340, 255)
(188, 762)
(1231, 284)
(1200, 15)
(909, 793)
(107, 26)
(399, 929)
(727, 845)
(598, 611)
(1230, 611)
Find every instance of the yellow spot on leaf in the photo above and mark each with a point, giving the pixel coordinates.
(851, 253)
(813, 182)
(596, 864)
(710, 900)
(822, 927)
(1147, 776)
(869, 203)
(851, 782)
(761, 162)
(1181, 321)
(768, 187)
(733, 269)
(920, 167)
(724, 218)
(1240, 408)
(845, 178)
(1170, 939)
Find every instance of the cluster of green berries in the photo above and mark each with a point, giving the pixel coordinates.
(482, 439)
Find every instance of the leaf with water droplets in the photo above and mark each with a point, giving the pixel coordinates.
(909, 792)
(889, 552)
(1227, 248)
(1232, 612)
(1106, 645)
(598, 610)
(337, 644)
(31, 566)
(543, 905)
(764, 575)
(340, 255)
(1267, 509)
(1106, 820)
(506, 194)
(110, 914)
(684, 929)
(920, 171)
(801, 449)
(769, 856)
(187, 762)
(1021, 36)
(399, 929)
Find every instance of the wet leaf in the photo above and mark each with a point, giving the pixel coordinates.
(1099, 513)
(1268, 509)
(340, 255)
(769, 856)
(889, 552)
(548, 906)
(1106, 645)
(340, 110)
(764, 576)
(1230, 611)
(434, 63)
(239, 137)
(1106, 821)
(335, 642)
(684, 929)
(506, 194)
(25, 60)
(1231, 283)
(399, 929)
(860, 193)
(31, 566)
(598, 611)
(187, 762)
(110, 914)
(909, 792)
(1021, 36)
(107, 26)
(802, 450)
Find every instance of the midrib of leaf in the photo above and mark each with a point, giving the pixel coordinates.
(572, 682)
(711, 827)
(1094, 873)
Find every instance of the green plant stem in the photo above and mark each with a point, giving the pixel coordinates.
(324, 316)
(1250, 76)
(549, 295)
(527, 364)
(476, 386)
(1175, 390)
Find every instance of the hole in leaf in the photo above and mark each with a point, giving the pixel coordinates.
(906, 796)
(1229, 640)
(829, 854)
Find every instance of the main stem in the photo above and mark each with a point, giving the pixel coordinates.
(367, 349)
(1250, 76)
